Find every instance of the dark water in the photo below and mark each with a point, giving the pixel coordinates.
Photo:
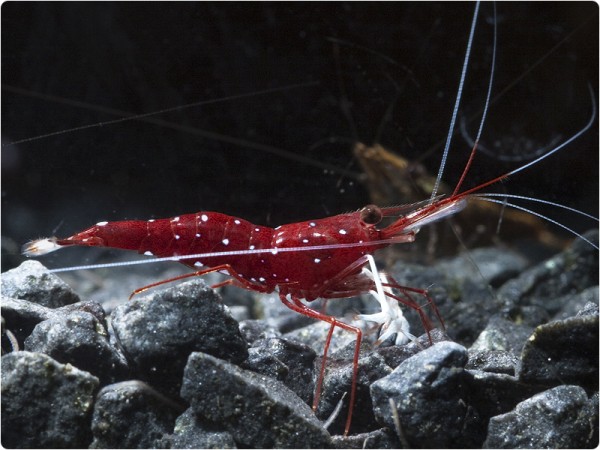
(139, 58)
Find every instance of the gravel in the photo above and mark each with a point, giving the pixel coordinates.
(174, 369)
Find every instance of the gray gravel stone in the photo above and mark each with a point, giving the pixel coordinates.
(80, 339)
(286, 361)
(158, 333)
(491, 394)
(381, 438)
(253, 330)
(45, 404)
(22, 316)
(31, 281)
(429, 392)
(190, 432)
(561, 417)
(573, 304)
(502, 335)
(257, 410)
(337, 385)
(563, 351)
(132, 415)
(495, 361)
(549, 284)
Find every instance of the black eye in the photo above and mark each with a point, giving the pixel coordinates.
(370, 214)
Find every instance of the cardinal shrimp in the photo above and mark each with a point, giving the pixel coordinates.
(281, 103)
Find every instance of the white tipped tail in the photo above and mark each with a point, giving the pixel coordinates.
(40, 247)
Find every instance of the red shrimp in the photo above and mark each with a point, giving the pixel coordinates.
(322, 258)
(326, 262)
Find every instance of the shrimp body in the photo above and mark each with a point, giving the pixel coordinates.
(329, 267)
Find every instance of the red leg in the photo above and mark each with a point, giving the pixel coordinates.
(296, 305)
(409, 301)
(236, 280)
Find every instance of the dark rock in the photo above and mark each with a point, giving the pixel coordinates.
(80, 339)
(239, 313)
(381, 438)
(277, 315)
(286, 361)
(31, 281)
(561, 417)
(337, 385)
(257, 410)
(549, 284)
(573, 304)
(491, 394)
(158, 333)
(253, 330)
(589, 309)
(45, 404)
(395, 354)
(131, 414)
(503, 335)
(429, 393)
(492, 265)
(563, 351)
(190, 432)
(22, 316)
(315, 336)
(496, 361)
(261, 361)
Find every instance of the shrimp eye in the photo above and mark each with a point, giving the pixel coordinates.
(371, 214)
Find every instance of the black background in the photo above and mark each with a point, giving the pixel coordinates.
(144, 57)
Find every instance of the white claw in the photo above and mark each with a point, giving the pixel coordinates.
(390, 318)
(40, 247)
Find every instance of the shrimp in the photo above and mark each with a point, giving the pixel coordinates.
(330, 264)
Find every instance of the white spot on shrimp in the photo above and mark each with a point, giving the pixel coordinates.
(252, 247)
(252, 279)
(262, 280)
(198, 235)
(274, 275)
(101, 224)
(279, 240)
(317, 234)
(257, 229)
(225, 241)
(198, 264)
(312, 224)
(237, 222)
(176, 219)
(317, 260)
(151, 220)
(287, 279)
(305, 241)
(204, 218)
(274, 251)
(148, 253)
(86, 239)
(177, 236)
(342, 231)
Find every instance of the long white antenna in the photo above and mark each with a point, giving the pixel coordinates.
(456, 104)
